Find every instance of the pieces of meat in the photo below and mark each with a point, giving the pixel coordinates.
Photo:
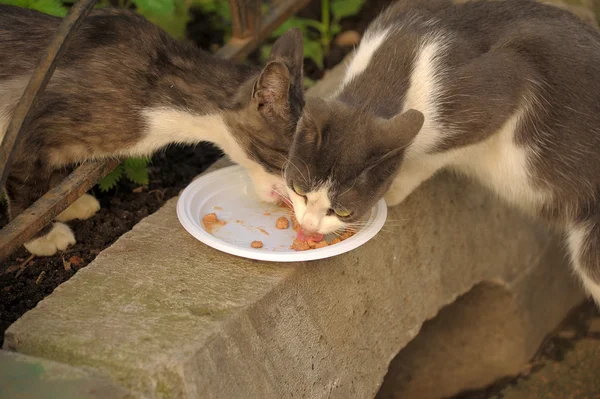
(282, 223)
(210, 220)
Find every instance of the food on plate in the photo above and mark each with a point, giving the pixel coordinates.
(210, 220)
(282, 223)
(299, 245)
(304, 240)
(321, 244)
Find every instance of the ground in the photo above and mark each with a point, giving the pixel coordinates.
(566, 366)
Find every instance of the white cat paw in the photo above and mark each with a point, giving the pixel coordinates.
(58, 239)
(393, 198)
(84, 208)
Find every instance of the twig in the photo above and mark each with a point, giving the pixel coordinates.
(66, 264)
(23, 265)
(159, 194)
(40, 277)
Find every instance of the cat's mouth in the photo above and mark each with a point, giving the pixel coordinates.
(304, 235)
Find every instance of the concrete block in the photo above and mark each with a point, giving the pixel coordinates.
(26, 377)
(167, 316)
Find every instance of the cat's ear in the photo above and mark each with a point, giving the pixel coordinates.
(397, 133)
(403, 128)
(289, 49)
(271, 90)
(316, 113)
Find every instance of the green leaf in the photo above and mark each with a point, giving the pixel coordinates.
(345, 8)
(111, 179)
(156, 7)
(174, 23)
(290, 23)
(335, 29)
(136, 170)
(50, 7)
(137, 162)
(265, 52)
(314, 51)
(308, 83)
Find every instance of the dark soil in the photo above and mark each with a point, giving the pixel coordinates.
(24, 281)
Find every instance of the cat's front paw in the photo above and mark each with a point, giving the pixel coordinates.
(84, 208)
(58, 239)
(394, 197)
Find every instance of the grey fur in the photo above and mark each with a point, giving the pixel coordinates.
(498, 55)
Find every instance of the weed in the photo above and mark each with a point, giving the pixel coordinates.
(316, 47)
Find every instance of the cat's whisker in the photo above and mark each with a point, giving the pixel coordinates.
(308, 171)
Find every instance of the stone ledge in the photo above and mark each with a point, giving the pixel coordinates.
(28, 377)
(168, 317)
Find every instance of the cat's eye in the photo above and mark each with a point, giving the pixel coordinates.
(343, 213)
(299, 190)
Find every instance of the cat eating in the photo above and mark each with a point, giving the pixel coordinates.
(506, 92)
(125, 88)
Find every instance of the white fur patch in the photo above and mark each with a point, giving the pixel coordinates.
(58, 239)
(424, 94)
(576, 237)
(362, 58)
(170, 125)
(504, 166)
(312, 213)
(83, 208)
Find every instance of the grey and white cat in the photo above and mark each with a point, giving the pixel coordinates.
(125, 88)
(507, 92)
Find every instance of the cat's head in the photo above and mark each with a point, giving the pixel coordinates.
(265, 125)
(342, 161)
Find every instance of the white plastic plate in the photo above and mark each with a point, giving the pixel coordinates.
(229, 193)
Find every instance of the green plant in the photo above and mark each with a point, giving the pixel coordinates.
(316, 47)
(51, 7)
(135, 169)
(171, 15)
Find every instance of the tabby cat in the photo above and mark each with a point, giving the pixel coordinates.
(125, 88)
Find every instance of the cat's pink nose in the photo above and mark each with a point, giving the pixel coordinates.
(308, 230)
(310, 222)
(310, 226)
